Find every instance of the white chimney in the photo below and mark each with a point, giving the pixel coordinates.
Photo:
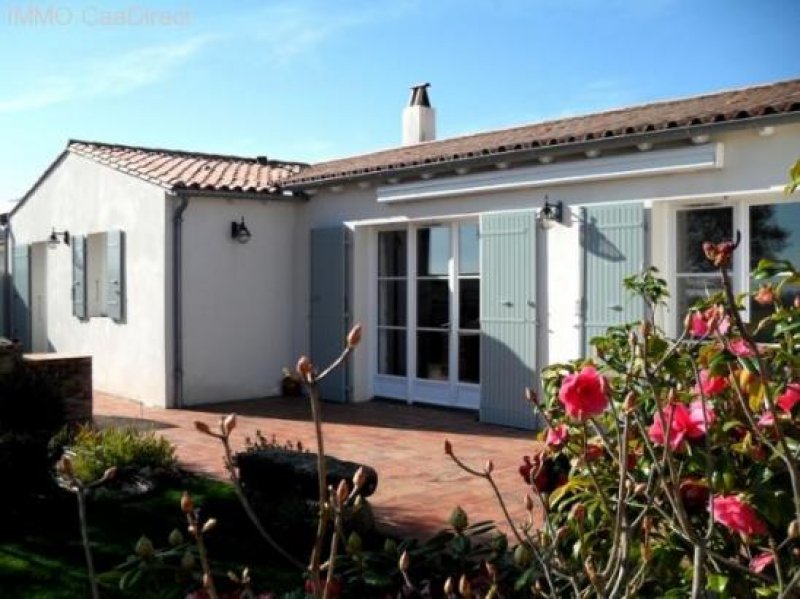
(419, 119)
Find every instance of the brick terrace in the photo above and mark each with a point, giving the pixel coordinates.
(418, 485)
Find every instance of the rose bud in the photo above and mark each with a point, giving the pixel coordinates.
(187, 505)
(209, 525)
(404, 562)
(175, 538)
(207, 581)
(765, 295)
(464, 587)
(144, 548)
(304, 367)
(354, 336)
(229, 423)
(531, 396)
(522, 555)
(187, 561)
(202, 427)
(528, 503)
(449, 586)
(64, 466)
(109, 474)
(353, 544)
(448, 447)
(458, 519)
(794, 529)
(342, 492)
(489, 467)
(630, 403)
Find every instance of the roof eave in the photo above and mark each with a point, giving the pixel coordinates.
(662, 135)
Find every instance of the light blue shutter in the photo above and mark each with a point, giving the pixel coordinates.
(614, 248)
(328, 307)
(508, 317)
(115, 275)
(79, 276)
(21, 296)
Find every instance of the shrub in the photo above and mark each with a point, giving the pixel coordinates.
(127, 449)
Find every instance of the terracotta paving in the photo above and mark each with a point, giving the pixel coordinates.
(418, 485)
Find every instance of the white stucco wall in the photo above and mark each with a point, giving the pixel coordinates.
(84, 197)
(752, 165)
(238, 303)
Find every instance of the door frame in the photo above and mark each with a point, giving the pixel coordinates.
(450, 393)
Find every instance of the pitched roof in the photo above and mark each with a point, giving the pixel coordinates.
(178, 170)
(695, 112)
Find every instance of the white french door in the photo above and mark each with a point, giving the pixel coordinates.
(428, 284)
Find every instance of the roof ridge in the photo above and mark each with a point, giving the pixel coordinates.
(188, 153)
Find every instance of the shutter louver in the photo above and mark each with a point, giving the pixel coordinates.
(115, 275)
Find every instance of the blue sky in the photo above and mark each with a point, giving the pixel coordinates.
(314, 79)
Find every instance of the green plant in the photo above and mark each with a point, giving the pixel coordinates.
(93, 451)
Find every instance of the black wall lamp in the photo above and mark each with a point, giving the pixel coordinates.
(53, 240)
(240, 232)
(552, 212)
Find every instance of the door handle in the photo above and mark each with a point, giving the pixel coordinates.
(615, 307)
(506, 303)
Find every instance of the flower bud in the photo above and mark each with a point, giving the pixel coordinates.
(175, 538)
(528, 503)
(404, 562)
(354, 336)
(458, 519)
(531, 396)
(109, 474)
(187, 505)
(207, 580)
(342, 491)
(359, 478)
(489, 467)
(491, 569)
(228, 424)
(304, 367)
(449, 586)
(209, 525)
(796, 302)
(464, 587)
(640, 489)
(144, 548)
(390, 546)
(448, 447)
(358, 503)
(353, 544)
(630, 403)
(522, 555)
(794, 529)
(202, 427)
(765, 295)
(187, 560)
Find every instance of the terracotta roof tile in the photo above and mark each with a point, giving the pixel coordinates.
(698, 111)
(177, 170)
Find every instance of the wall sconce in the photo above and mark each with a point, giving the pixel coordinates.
(551, 213)
(240, 232)
(53, 240)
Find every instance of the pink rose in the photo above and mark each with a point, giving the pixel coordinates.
(710, 385)
(683, 423)
(739, 347)
(789, 398)
(710, 321)
(761, 562)
(557, 436)
(584, 393)
(738, 516)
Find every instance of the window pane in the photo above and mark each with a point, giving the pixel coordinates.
(468, 250)
(691, 289)
(469, 358)
(432, 355)
(392, 352)
(433, 251)
(775, 233)
(433, 303)
(392, 254)
(392, 303)
(696, 226)
(469, 303)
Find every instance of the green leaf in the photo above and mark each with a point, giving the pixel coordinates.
(717, 583)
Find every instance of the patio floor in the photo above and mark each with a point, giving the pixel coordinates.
(418, 485)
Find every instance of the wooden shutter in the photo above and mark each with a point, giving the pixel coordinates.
(79, 308)
(21, 296)
(115, 275)
(328, 310)
(614, 248)
(508, 317)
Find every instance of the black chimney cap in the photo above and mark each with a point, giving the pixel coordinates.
(419, 95)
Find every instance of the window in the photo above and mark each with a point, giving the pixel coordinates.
(392, 313)
(768, 231)
(98, 275)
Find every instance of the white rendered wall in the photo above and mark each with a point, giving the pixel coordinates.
(83, 197)
(238, 303)
(752, 164)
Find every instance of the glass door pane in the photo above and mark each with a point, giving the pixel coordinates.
(469, 291)
(434, 254)
(392, 300)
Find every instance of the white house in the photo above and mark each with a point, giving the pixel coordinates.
(471, 261)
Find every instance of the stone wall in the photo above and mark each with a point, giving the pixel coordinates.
(72, 377)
